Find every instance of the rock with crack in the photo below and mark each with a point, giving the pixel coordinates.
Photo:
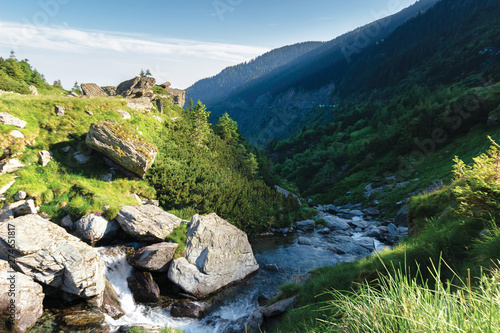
(137, 87)
(28, 297)
(147, 223)
(127, 150)
(10, 166)
(92, 90)
(154, 258)
(46, 253)
(44, 157)
(217, 254)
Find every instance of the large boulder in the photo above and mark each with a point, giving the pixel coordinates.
(335, 223)
(91, 228)
(48, 254)
(154, 258)
(147, 223)
(144, 289)
(137, 87)
(217, 254)
(186, 309)
(402, 217)
(92, 90)
(177, 96)
(132, 153)
(21, 299)
(8, 119)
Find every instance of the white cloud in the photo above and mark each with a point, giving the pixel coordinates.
(80, 41)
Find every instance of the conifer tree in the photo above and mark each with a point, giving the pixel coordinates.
(227, 128)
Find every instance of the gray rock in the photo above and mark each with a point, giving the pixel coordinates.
(356, 212)
(158, 118)
(188, 309)
(8, 119)
(59, 111)
(28, 306)
(20, 195)
(72, 94)
(307, 225)
(25, 208)
(374, 232)
(124, 114)
(16, 134)
(147, 223)
(278, 308)
(90, 113)
(66, 149)
(393, 230)
(335, 223)
(107, 177)
(177, 96)
(81, 158)
(153, 202)
(138, 87)
(130, 153)
(254, 322)
(111, 302)
(154, 258)
(33, 90)
(159, 104)
(271, 268)
(6, 187)
(144, 289)
(217, 254)
(44, 157)
(92, 90)
(402, 217)
(91, 228)
(48, 254)
(67, 223)
(359, 223)
(10, 166)
(304, 241)
(140, 104)
(109, 90)
(324, 231)
(373, 212)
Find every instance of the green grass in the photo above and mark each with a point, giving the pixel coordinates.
(179, 236)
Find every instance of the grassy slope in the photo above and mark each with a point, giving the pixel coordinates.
(64, 186)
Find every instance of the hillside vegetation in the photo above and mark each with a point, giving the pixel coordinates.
(200, 168)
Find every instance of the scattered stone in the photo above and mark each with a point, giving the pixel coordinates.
(147, 223)
(307, 225)
(137, 198)
(124, 114)
(66, 149)
(402, 217)
(10, 166)
(59, 111)
(373, 212)
(188, 309)
(16, 134)
(154, 258)
(67, 223)
(271, 268)
(90, 113)
(324, 231)
(217, 254)
(158, 118)
(33, 90)
(5, 188)
(20, 195)
(48, 254)
(81, 158)
(44, 157)
(304, 241)
(28, 297)
(359, 223)
(144, 289)
(153, 202)
(91, 228)
(133, 155)
(107, 177)
(7, 119)
(92, 90)
(25, 208)
(72, 94)
(278, 308)
(335, 223)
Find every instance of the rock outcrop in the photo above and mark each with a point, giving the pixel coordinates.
(147, 223)
(48, 254)
(131, 153)
(154, 258)
(33, 90)
(92, 90)
(177, 96)
(109, 90)
(8, 119)
(137, 87)
(27, 297)
(217, 254)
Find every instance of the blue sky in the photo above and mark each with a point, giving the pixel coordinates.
(182, 41)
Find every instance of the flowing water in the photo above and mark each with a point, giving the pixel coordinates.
(280, 258)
